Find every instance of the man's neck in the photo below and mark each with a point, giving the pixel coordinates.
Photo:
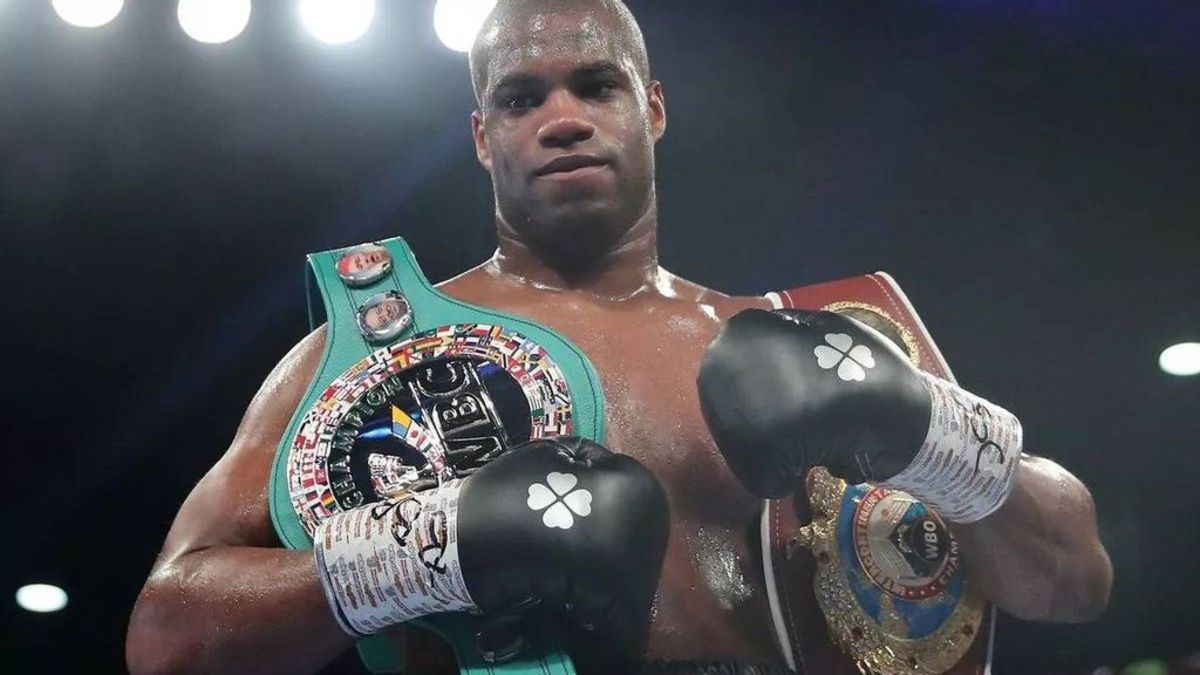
(624, 270)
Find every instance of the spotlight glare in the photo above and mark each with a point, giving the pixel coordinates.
(457, 21)
(213, 21)
(337, 22)
(41, 598)
(87, 13)
(1181, 359)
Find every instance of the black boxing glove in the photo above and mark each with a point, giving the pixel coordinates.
(560, 522)
(786, 390)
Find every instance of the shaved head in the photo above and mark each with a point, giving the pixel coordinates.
(566, 124)
(519, 29)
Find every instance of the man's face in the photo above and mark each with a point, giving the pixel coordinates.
(383, 315)
(361, 261)
(567, 129)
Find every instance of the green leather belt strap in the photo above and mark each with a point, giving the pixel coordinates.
(345, 346)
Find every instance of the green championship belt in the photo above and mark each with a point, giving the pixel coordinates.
(415, 388)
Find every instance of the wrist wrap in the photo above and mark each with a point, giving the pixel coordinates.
(967, 465)
(392, 561)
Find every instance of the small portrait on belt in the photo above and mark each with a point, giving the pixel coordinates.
(364, 264)
(384, 316)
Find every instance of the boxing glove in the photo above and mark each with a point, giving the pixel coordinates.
(786, 390)
(560, 522)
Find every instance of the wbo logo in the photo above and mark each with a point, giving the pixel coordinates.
(840, 352)
(561, 501)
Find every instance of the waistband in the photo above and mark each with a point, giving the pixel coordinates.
(707, 667)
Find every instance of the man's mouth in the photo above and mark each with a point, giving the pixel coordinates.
(570, 166)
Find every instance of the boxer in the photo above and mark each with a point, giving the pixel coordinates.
(566, 125)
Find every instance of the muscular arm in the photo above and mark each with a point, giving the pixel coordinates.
(222, 596)
(1039, 556)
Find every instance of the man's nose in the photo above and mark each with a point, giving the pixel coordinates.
(566, 124)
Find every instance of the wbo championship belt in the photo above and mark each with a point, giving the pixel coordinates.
(882, 568)
(416, 388)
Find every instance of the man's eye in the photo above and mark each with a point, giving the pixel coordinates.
(601, 88)
(519, 102)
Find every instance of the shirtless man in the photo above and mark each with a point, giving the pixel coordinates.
(566, 125)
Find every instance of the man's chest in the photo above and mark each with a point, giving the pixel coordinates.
(711, 597)
(648, 356)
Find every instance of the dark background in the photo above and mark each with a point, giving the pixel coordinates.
(1026, 169)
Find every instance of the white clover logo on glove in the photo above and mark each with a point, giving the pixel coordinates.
(561, 498)
(850, 359)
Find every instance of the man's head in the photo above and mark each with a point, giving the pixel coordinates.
(567, 120)
(358, 261)
(384, 315)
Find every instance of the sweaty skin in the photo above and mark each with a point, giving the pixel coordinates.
(568, 82)
(647, 348)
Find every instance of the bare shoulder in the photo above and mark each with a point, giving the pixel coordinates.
(275, 402)
(229, 504)
(722, 304)
(472, 285)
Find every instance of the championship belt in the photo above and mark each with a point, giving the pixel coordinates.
(882, 567)
(416, 388)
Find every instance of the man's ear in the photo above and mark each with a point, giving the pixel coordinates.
(482, 153)
(658, 109)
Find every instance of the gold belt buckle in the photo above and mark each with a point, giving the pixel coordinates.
(889, 578)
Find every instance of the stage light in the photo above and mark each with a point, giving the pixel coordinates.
(457, 21)
(337, 21)
(1181, 359)
(41, 598)
(87, 13)
(213, 21)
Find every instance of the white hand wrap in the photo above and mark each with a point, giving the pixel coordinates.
(968, 464)
(385, 563)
